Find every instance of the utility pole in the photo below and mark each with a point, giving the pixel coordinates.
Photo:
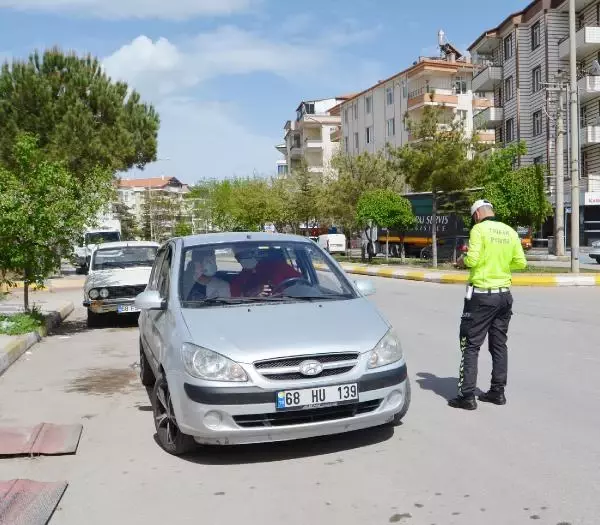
(574, 141)
(559, 215)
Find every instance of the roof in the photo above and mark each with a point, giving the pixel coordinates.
(127, 244)
(152, 182)
(422, 63)
(494, 31)
(228, 237)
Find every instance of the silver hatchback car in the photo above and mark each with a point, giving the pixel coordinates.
(257, 337)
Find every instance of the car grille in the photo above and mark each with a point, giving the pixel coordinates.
(118, 292)
(287, 368)
(301, 417)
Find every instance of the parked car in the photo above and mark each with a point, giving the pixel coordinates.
(333, 243)
(307, 355)
(118, 272)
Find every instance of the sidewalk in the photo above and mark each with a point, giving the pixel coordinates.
(458, 277)
(13, 347)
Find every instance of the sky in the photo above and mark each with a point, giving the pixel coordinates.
(225, 75)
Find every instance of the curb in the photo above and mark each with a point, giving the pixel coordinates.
(15, 349)
(50, 286)
(550, 280)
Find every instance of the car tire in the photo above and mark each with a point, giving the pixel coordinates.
(400, 415)
(168, 435)
(94, 320)
(146, 374)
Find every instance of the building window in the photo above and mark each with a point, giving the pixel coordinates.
(460, 86)
(509, 91)
(508, 47)
(347, 144)
(368, 104)
(580, 21)
(584, 163)
(346, 115)
(282, 169)
(538, 160)
(356, 141)
(389, 96)
(536, 79)
(510, 130)
(369, 134)
(537, 123)
(391, 127)
(536, 35)
(355, 109)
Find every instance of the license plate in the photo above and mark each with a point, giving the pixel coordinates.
(316, 397)
(127, 309)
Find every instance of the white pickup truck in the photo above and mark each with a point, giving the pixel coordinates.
(107, 231)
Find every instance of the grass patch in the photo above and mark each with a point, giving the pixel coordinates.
(19, 324)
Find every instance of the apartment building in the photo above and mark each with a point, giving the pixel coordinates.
(515, 62)
(308, 137)
(378, 116)
(133, 192)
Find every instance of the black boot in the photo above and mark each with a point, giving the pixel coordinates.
(493, 396)
(466, 403)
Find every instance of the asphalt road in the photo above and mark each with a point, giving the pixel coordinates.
(532, 461)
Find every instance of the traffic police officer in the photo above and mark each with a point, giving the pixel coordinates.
(494, 250)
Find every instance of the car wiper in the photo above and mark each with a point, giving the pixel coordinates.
(233, 301)
(318, 297)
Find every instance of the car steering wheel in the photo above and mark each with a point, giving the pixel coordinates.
(290, 282)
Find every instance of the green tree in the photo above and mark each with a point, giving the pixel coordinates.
(182, 228)
(355, 175)
(304, 188)
(439, 160)
(79, 115)
(386, 209)
(43, 210)
(129, 227)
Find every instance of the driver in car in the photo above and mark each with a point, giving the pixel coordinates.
(260, 277)
(207, 285)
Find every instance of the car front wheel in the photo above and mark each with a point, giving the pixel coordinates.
(146, 375)
(169, 437)
(94, 320)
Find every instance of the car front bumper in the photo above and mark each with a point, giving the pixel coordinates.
(104, 306)
(244, 415)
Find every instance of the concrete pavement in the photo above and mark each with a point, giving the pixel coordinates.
(534, 459)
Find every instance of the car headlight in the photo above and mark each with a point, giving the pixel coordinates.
(387, 351)
(104, 293)
(94, 294)
(206, 364)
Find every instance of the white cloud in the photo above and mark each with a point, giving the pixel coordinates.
(204, 140)
(123, 9)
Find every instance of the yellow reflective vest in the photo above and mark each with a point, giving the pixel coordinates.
(494, 250)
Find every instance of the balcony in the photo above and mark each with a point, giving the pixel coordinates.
(486, 136)
(491, 117)
(296, 152)
(587, 40)
(589, 87)
(281, 148)
(488, 77)
(312, 144)
(590, 134)
(431, 95)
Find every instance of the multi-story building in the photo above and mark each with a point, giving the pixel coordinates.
(379, 116)
(308, 137)
(515, 62)
(133, 192)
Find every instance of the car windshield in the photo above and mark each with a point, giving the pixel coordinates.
(102, 237)
(253, 272)
(125, 257)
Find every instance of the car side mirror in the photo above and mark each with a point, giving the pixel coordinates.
(365, 287)
(150, 300)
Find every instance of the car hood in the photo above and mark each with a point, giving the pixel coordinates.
(250, 333)
(118, 277)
